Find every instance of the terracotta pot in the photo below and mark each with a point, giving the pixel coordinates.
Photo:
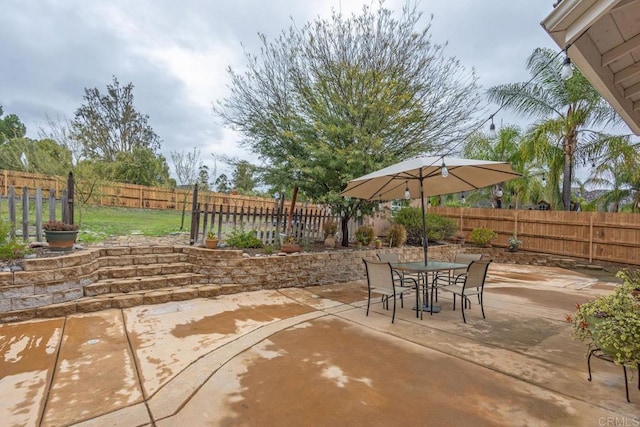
(330, 242)
(61, 240)
(290, 248)
(378, 245)
(211, 243)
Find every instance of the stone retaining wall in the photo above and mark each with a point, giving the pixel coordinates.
(46, 281)
(56, 280)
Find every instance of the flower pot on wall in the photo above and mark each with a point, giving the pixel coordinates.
(211, 243)
(290, 248)
(61, 240)
(330, 242)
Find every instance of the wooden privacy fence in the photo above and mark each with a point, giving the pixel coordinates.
(269, 224)
(34, 229)
(602, 236)
(126, 195)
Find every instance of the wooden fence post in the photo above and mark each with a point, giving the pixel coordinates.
(12, 211)
(194, 217)
(70, 195)
(39, 214)
(52, 204)
(590, 238)
(25, 214)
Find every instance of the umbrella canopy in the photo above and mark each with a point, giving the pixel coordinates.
(424, 176)
(426, 173)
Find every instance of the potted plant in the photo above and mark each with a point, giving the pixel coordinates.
(364, 235)
(60, 235)
(377, 242)
(330, 227)
(514, 243)
(611, 322)
(211, 241)
(289, 245)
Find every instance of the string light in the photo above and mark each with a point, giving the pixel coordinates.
(444, 170)
(464, 199)
(492, 130)
(453, 147)
(407, 195)
(567, 69)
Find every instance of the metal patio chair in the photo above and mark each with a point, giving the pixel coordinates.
(380, 280)
(473, 284)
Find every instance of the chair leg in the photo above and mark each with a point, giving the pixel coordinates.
(393, 316)
(462, 304)
(480, 298)
(431, 300)
(368, 301)
(589, 363)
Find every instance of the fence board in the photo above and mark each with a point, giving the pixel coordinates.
(603, 236)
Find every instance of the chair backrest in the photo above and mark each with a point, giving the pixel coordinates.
(477, 273)
(379, 274)
(390, 257)
(463, 258)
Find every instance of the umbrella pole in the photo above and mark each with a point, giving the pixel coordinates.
(425, 243)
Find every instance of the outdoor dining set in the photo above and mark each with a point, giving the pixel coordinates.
(391, 278)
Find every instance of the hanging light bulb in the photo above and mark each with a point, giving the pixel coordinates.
(544, 180)
(407, 195)
(380, 204)
(464, 199)
(358, 213)
(492, 130)
(429, 204)
(567, 69)
(444, 170)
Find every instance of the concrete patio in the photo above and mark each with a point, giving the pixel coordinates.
(310, 356)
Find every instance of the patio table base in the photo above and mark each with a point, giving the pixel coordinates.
(426, 308)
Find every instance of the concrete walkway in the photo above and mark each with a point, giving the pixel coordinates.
(311, 357)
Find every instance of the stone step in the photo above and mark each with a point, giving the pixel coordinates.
(142, 259)
(125, 300)
(140, 283)
(155, 269)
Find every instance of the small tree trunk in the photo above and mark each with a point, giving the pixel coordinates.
(344, 222)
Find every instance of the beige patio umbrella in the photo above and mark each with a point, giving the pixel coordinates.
(421, 177)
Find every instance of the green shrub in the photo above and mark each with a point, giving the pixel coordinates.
(397, 235)
(243, 240)
(438, 227)
(269, 249)
(10, 248)
(482, 236)
(364, 234)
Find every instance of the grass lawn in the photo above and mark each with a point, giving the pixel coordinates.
(98, 223)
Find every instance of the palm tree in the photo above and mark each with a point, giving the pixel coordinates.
(566, 109)
(619, 173)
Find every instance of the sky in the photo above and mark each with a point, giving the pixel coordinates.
(176, 54)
